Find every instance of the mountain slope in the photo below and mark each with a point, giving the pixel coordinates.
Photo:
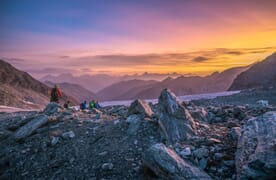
(74, 90)
(19, 89)
(262, 74)
(133, 89)
(123, 90)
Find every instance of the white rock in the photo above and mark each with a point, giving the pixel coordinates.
(69, 134)
(186, 152)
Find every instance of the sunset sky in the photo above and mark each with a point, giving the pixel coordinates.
(125, 37)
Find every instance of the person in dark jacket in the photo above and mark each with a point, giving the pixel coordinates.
(55, 94)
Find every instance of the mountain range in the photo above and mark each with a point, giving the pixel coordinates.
(262, 74)
(19, 89)
(182, 85)
(95, 83)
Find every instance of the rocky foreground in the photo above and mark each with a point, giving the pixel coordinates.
(168, 140)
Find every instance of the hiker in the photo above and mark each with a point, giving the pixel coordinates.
(55, 94)
(97, 105)
(91, 104)
(83, 105)
(67, 105)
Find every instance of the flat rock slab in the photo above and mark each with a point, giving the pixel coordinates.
(166, 164)
(30, 127)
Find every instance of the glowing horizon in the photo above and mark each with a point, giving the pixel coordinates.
(122, 37)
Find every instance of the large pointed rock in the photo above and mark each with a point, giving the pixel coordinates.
(175, 121)
(30, 127)
(256, 153)
(140, 107)
(166, 164)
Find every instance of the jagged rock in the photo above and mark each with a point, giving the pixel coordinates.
(175, 121)
(235, 133)
(140, 107)
(51, 108)
(134, 124)
(166, 164)
(199, 114)
(255, 156)
(30, 127)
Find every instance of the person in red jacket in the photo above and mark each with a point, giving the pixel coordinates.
(55, 94)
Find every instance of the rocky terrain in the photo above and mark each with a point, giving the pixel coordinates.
(167, 140)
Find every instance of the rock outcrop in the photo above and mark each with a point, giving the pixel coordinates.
(256, 155)
(165, 163)
(175, 121)
(140, 107)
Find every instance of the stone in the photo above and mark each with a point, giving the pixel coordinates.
(30, 127)
(203, 163)
(140, 107)
(210, 117)
(199, 114)
(54, 140)
(239, 113)
(255, 156)
(262, 103)
(134, 122)
(201, 152)
(67, 135)
(235, 133)
(116, 122)
(103, 153)
(166, 164)
(186, 152)
(51, 108)
(175, 121)
(107, 166)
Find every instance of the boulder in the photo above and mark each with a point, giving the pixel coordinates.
(134, 122)
(140, 107)
(255, 156)
(51, 108)
(175, 121)
(166, 164)
(30, 127)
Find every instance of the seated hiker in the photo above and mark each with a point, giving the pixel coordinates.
(67, 105)
(97, 105)
(55, 94)
(91, 104)
(83, 105)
